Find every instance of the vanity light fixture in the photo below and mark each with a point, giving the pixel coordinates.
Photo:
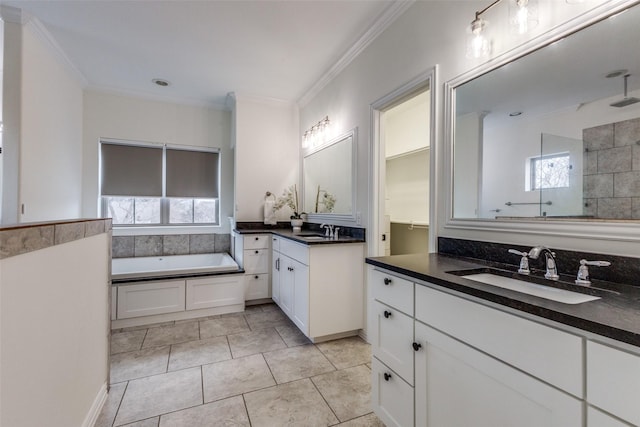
(523, 15)
(316, 134)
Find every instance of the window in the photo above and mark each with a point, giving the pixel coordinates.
(158, 185)
(550, 171)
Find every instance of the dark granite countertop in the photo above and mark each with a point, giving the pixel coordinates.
(307, 237)
(616, 315)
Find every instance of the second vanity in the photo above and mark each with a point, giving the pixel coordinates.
(318, 282)
(448, 351)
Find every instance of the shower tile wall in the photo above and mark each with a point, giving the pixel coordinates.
(176, 244)
(612, 170)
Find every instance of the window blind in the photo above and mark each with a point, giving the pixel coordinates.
(192, 173)
(130, 170)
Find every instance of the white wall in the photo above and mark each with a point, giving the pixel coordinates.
(120, 117)
(51, 132)
(407, 189)
(267, 150)
(428, 34)
(53, 329)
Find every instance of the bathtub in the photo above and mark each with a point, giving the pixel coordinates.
(172, 266)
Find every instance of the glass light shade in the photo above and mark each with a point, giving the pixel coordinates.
(523, 15)
(478, 46)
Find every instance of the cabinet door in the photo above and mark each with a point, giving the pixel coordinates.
(275, 276)
(391, 396)
(457, 385)
(150, 298)
(214, 292)
(392, 339)
(286, 286)
(300, 309)
(613, 381)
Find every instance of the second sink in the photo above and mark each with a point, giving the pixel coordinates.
(542, 291)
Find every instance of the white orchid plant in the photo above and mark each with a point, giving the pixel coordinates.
(289, 198)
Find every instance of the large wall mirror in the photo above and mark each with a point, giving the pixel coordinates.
(329, 178)
(552, 135)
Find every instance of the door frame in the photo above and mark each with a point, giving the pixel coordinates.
(427, 79)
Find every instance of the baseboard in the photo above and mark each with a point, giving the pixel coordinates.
(96, 407)
(363, 334)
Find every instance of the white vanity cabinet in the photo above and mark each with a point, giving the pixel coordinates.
(252, 253)
(441, 360)
(319, 287)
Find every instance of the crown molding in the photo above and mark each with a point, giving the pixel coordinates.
(36, 26)
(384, 20)
(273, 102)
(14, 15)
(109, 90)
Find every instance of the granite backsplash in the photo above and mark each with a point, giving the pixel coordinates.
(622, 270)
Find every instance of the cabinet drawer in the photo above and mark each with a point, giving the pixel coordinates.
(547, 353)
(392, 339)
(613, 381)
(254, 241)
(275, 243)
(391, 396)
(256, 261)
(256, 286)
(294, 250)
(214, 292)
(150, 298)
(392, 290)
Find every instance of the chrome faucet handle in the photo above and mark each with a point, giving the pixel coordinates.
(552, 268)
(583, 271)
(524, 261)
(335, 233)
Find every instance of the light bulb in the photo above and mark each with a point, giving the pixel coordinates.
(477, 44)
(523, 15)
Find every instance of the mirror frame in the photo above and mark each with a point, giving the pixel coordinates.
(615, 230)
(353, 133)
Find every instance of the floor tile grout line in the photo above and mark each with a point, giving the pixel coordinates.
(325, 400)
(246, 410)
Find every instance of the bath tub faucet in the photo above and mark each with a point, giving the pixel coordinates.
(550, 261)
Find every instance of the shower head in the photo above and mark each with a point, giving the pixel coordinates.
(626, 101)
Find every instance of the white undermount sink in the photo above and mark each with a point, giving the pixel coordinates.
(547, 292)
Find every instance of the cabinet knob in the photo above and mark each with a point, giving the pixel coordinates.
(417, 346)
(257, 252)
(387, 376)
(257, 238)
(387, 314)
(257, 277)
(387, 281)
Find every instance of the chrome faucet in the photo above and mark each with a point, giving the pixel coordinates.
(328, 229)
(550, 261)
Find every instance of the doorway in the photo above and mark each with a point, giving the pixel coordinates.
(403, 124)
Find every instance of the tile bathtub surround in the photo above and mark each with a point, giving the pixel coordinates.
(24, 238)
(171, 244)
(622, 269)
(612, 170)
(285, 380)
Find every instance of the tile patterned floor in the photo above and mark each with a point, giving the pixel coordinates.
(246, 369)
